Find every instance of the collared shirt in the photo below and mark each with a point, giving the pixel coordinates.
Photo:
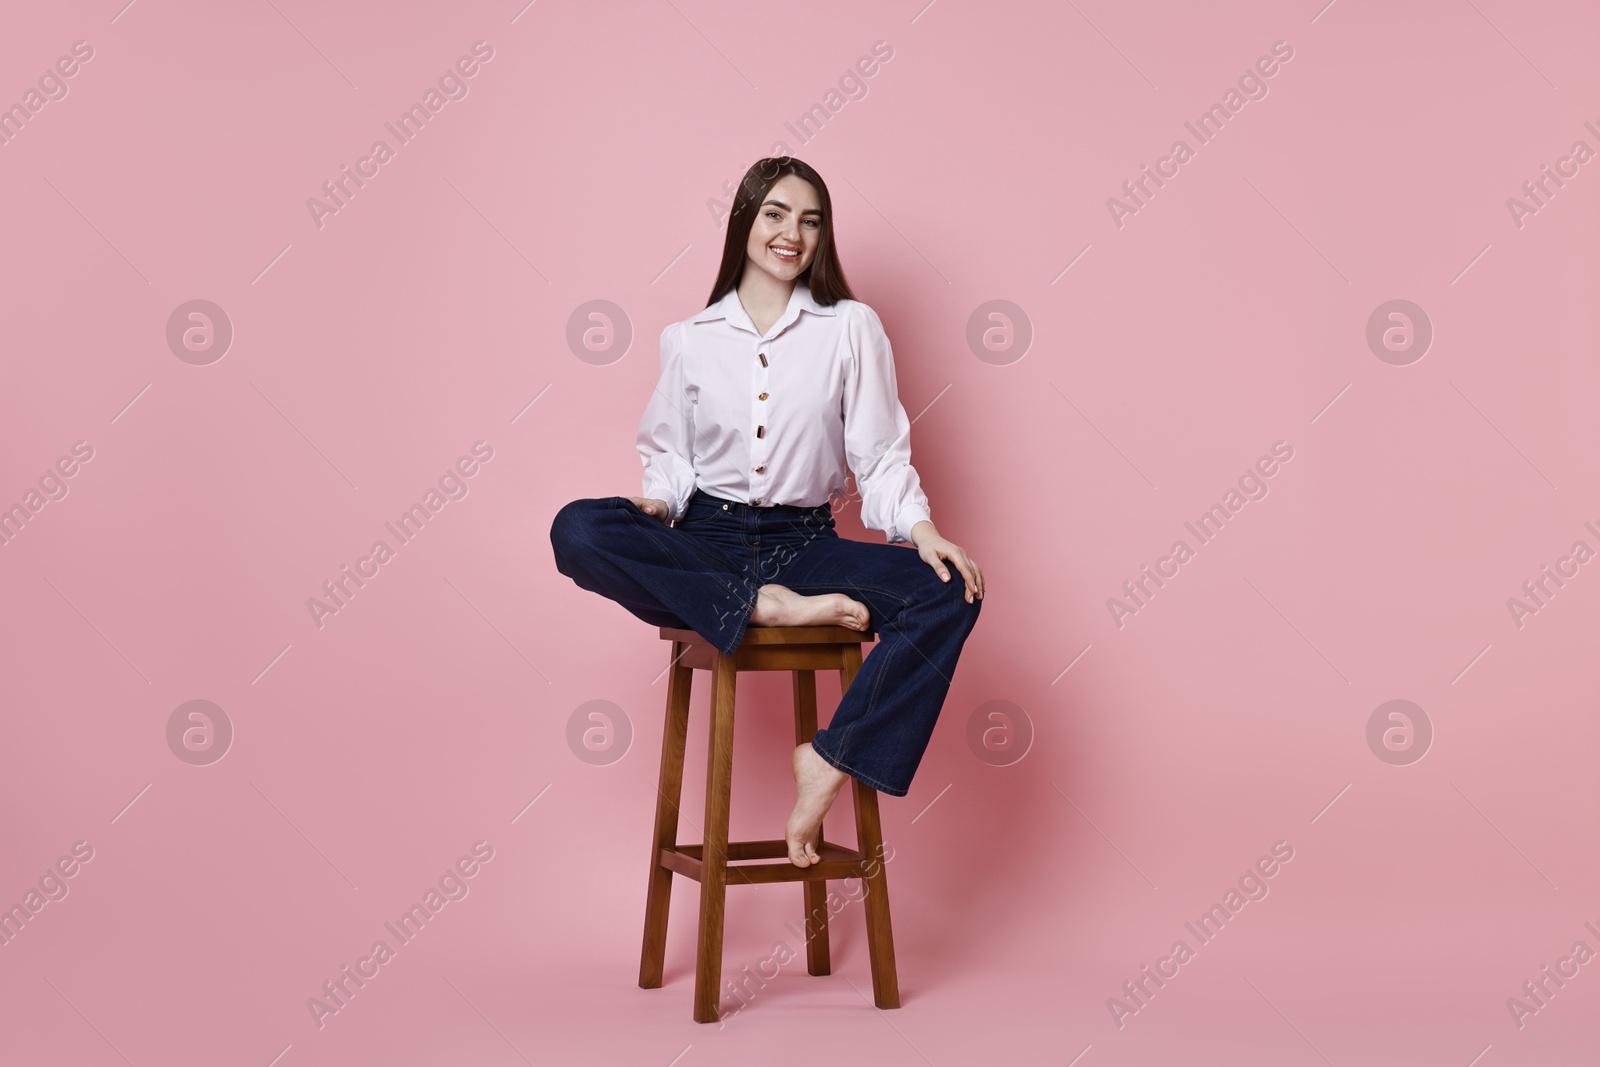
(775, 418)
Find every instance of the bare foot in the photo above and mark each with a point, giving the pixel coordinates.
(817, 781)
(778, 605)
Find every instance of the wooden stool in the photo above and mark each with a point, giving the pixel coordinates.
(803, 650)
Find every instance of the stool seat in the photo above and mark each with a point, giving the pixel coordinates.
(774, 648)
(802, 650)
(782, 635)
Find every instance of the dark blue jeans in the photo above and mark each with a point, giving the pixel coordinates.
(703, 574)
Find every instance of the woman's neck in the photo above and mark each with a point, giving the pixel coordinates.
(764, 298)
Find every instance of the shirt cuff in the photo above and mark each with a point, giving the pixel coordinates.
(909, 516)
(676, 504)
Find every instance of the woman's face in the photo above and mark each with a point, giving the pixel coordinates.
(789, 221)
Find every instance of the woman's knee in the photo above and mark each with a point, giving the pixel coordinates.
(949, 599)
(574, 526)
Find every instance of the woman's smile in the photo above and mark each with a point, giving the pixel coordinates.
(783, 240)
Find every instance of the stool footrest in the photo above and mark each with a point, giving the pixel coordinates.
(837, 863)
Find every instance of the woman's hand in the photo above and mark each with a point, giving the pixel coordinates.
(934, 550)
(650, 506)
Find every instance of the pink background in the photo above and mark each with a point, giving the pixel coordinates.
(369, 354)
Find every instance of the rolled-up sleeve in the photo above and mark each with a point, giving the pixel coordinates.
(877, 434)
(666, 433)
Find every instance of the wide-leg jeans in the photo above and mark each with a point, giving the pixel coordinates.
(703, 574)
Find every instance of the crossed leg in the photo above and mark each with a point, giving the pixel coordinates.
(669, 576)
(884, 722)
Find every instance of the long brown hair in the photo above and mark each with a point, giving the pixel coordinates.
(824, 275)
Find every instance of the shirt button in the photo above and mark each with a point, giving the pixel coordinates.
(756, 502)
(761, 468)
(763, 357)
(763, 396)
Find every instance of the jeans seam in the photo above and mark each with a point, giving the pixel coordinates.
(871, 702)
(744, 623)
(839, 764)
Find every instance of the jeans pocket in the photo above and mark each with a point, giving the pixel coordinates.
(700, 516)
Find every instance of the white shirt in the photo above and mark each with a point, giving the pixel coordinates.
(774, 419)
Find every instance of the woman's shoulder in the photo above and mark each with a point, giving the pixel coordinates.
(858, 319)
(672, 333)
(860, 325)
(853, 308)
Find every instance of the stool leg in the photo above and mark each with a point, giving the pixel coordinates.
(668, 793)
(880, 937)
(714, 851)
(816, 891)
(875, 882)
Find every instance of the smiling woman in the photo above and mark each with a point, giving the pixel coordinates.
(768, 399)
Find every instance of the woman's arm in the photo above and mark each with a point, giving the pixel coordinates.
(666, 433)
(877, 438)
(877, 434)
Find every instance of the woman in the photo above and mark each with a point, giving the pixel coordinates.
(764, 397)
